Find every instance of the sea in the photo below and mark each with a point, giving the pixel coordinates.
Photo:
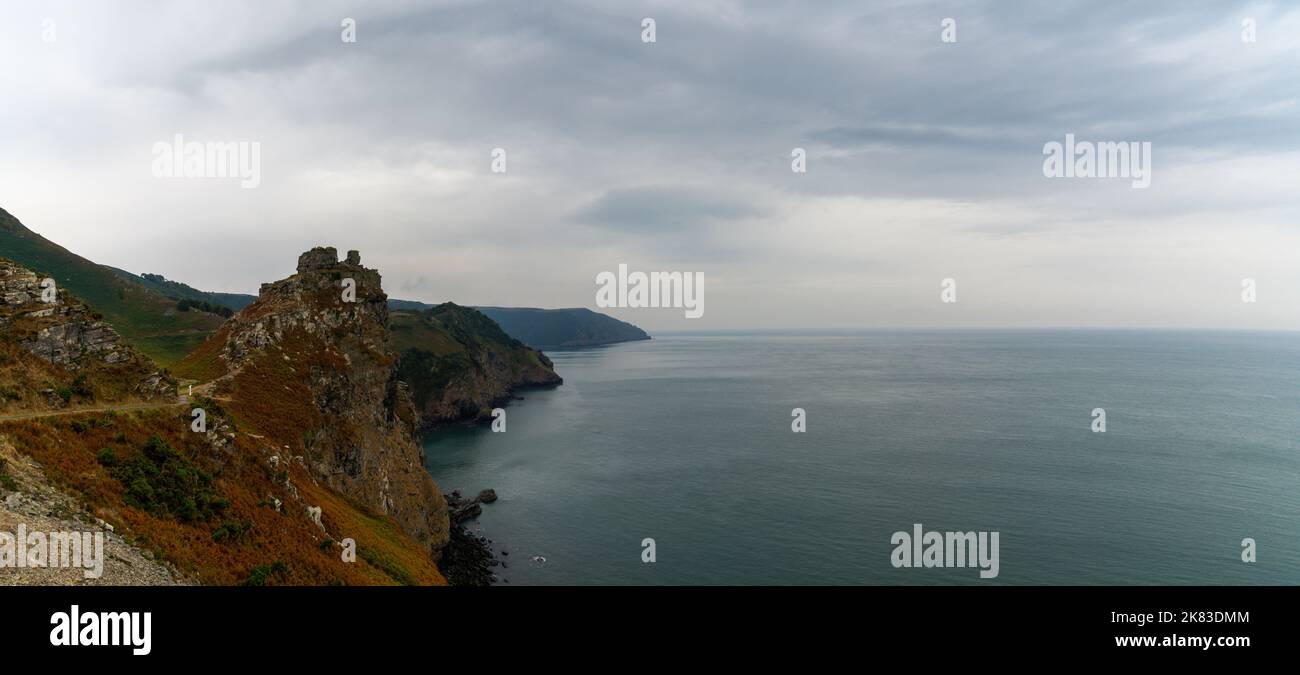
(675, 460)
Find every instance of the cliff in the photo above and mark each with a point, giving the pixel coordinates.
(311, 366)
(460, 364)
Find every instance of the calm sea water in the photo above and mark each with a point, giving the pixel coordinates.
(687, 440)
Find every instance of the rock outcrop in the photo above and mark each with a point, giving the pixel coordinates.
(310, 361)
(65, 332)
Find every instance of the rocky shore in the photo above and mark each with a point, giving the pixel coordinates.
(469, 559)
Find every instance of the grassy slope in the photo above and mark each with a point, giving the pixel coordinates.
(70, 448)
(450, 329)
(146, 319)
(452, 323)
(176, 289)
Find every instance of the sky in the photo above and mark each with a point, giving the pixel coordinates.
(924, 155)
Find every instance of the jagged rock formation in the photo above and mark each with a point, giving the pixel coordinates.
(68, 335)
(314, 369)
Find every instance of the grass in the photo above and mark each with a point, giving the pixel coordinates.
(272, 392)
(203, 363)
(168, 350)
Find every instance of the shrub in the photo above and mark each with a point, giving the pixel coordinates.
(277, 571)
(231, 530)
(106, 457)
(5, 479)
(81, 388)
(162, 481)
(205, 306)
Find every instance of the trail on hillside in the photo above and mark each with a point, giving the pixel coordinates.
(120, 407)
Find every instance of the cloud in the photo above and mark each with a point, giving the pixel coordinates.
(666, 209)
(924, 158)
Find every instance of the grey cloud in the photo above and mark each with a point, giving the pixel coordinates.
(677, 150)
(660, 209)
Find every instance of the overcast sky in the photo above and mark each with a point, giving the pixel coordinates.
(924, 158)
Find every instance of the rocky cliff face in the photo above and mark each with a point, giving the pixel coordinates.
(77, 342)
(460, 364)
(310, 364)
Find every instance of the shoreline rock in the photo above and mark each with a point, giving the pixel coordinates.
(468, 560)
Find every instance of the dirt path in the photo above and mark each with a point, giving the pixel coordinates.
(121, 407)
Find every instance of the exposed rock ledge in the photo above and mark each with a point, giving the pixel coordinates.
(468, 559)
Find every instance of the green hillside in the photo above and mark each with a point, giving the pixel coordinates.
(181, 291)
(459, 364)
(550, 328)
(148, 320)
